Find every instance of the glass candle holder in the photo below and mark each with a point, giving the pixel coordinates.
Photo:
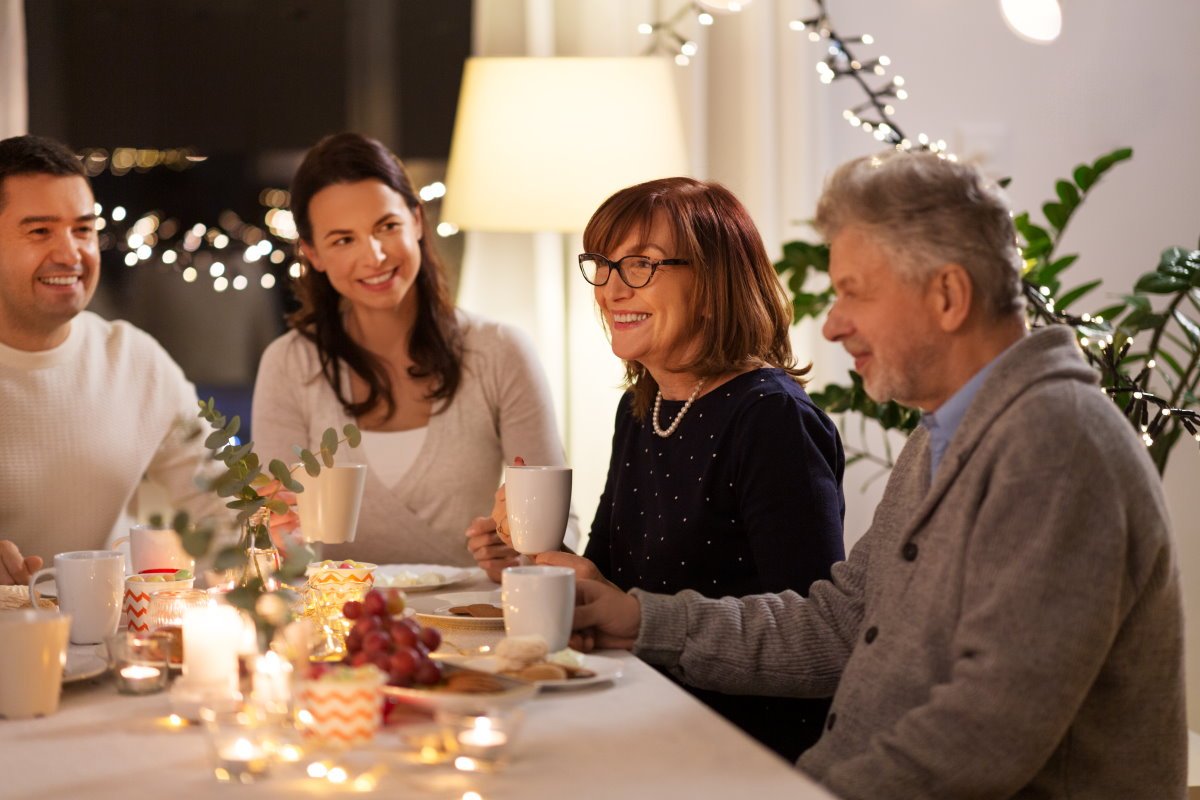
(139, 663)
(479, 742)
(240, 744)
(325, 595)
(165, 618)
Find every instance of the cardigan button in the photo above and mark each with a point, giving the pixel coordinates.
(830, 721)
(870, 635)
(910, 551)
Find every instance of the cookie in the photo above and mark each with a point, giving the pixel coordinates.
(478, 610)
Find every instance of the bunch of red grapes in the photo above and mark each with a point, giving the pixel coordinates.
(398, 646)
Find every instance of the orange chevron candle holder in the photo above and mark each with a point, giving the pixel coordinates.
(341, 713)
(139, 590)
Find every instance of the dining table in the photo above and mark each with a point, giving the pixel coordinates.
(639, 735)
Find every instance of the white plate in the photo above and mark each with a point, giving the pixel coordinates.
(399, 575)
(438, 608)
(514, 693)
(84, 661)
(606, 669)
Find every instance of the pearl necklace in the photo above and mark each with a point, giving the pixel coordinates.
(678, 417)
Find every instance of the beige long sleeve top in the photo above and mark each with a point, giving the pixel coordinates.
(81, 424)
(502, 409)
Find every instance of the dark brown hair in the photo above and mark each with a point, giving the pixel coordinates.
(436, 343)
(37, 155)
(740, 310)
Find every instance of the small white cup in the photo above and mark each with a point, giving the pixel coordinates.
(330, 502)
(539, 601)
(539, 502)
(31, 661)
(90, 584)
(155, 549)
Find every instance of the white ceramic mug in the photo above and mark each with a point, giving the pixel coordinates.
(330, 502)
(31, 661)
(155, 549)
(90, 584)
(539, 502)
(539, 601)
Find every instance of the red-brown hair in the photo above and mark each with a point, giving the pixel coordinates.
(741, 313)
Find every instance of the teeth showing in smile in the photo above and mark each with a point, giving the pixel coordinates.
(61, 280)
(378, 279)
(630, 317)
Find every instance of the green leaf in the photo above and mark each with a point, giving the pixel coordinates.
(1110, 313)
(1038, 248)
(279, 470)
(1084, 177)
(216, 440)
(1059, 265)
(179, 523)
(277, 506)
(1107, 162)
(326, 457)
(1189, 327)
(197, 542)
(310, 463)
(245, 597)
(329, 441)
(156, 520)
(1067, 194)
(295, 562)
(1079, 291)
(1056, 215)
(233, 427)
(232, 456)
(229, 558)
(1157, 283)
(1137, 301)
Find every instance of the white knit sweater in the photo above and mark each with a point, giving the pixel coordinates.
(502, 409)
(80, 425)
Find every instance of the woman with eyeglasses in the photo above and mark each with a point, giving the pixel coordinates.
(725, 478)
(443, 398)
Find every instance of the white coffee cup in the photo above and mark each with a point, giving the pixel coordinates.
(539, 601)
(330, 502)
(539, 502)
(158, 549)
(90, 584)
(31, 661)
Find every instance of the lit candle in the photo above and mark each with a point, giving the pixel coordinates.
(140, 679)
(241, 760)
(481, 740)
(211, 638)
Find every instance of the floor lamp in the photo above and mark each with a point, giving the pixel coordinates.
(538, 144)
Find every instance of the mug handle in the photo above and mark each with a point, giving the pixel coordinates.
(117, 544)
(34, 597)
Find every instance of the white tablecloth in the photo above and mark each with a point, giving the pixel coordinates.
(641, 736)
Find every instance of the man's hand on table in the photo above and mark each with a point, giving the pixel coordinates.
(585, 570)
(15, 569)
(605, 617)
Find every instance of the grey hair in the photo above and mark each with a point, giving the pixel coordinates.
(926, 211)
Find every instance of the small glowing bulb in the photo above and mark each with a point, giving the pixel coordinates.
(131, 258)
(902, 94)
(220, 284)
(645, 29)
(337, 775)
(134, 240)
(1045, 290)
(682, 60)
(317, 769)
(144, 252)
(704, 18)
(885, 60)
(795, 25)
(688, 48)
(170, 257)
(267, 281)
(118, 213)
(190, 275)
(1166, 412)
(868, 39)
(217, 269)
(813, 36)
(220, 241)
(295, 269)
(1152, 363)
(240, 282)
(1137, 395)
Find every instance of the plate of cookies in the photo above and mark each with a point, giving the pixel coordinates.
(464, 689)
(465, 609)
(526, 658)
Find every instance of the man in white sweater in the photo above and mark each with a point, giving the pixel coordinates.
(89, 406)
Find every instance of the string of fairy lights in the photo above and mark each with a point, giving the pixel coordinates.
(874, 115)
(231, 254)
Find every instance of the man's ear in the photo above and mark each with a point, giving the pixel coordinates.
(951, 295)
(310, 255)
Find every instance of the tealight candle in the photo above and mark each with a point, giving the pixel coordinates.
(241, 760)
(238, 743)
(479, 742)
(140, 664)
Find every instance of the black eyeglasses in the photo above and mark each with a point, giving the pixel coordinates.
(636, 271)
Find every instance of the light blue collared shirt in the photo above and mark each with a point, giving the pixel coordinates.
(942, 423)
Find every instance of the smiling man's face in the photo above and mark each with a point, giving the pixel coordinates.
(49, 257)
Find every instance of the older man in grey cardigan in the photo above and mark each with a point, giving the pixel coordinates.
(1010, 625)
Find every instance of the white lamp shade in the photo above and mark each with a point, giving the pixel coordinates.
(539, 143)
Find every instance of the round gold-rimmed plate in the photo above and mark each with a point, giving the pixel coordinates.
(436, 610)
(512, 692)
(419, 577)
